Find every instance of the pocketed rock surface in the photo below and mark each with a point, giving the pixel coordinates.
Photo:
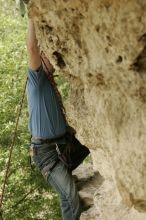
(99, 46)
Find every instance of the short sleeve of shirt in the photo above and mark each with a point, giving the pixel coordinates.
(38, 77)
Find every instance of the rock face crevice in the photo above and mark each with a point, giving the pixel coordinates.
(100, 48)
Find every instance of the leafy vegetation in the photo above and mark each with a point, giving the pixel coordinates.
(27, 196)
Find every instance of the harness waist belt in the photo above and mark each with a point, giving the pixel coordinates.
(36, 140)
(34, 150)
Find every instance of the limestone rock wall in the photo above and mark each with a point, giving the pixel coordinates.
(100, 48)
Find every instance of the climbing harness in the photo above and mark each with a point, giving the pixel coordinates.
(11, 150)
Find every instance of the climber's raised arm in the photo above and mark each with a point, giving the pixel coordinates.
(34, 59)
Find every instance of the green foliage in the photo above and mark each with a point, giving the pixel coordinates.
(27, 195)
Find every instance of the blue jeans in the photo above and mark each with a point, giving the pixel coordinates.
(60, 179)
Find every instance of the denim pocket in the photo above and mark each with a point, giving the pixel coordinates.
(44, 155)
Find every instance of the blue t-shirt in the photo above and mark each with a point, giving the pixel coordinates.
(45, 116)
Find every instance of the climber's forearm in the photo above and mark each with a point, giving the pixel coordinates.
(31, 36)
(34, 59)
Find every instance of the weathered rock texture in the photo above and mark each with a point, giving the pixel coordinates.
(100, 47)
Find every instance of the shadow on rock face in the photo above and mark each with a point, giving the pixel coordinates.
(59, 59)
(139, 204)
(139, 63)
(92, 181)
(87, 182)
